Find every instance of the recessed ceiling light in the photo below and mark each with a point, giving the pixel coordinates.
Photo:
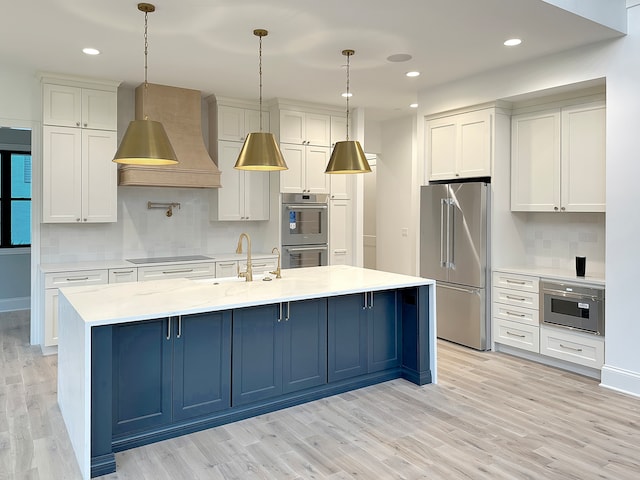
(399, 57)
(345, 95)
(413, 74)
(91, 51)
(414, 105)
(512, 42)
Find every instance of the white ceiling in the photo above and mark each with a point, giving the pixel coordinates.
(209, 45)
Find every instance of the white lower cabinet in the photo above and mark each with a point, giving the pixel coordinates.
(515, 311)
(581, 348)
(122, 275)
(54, 281)
(260, 265)
(182, 270)
(226, 269)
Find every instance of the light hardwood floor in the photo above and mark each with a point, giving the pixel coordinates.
(492, 416)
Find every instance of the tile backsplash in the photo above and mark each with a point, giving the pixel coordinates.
(141, 232)
(552, 240)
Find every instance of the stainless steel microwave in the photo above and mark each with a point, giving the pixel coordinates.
(577, 307)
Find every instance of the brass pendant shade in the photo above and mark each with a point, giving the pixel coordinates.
(260, 152)
(145, 143)
(347, 156)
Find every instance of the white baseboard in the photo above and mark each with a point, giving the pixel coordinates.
(13, 304)
(621, 380)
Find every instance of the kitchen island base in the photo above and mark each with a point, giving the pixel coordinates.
(152, 379)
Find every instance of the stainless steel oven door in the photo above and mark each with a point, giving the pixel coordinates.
(306, 256)
(575, 307)
(305, 223)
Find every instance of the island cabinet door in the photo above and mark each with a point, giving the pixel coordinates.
(384, 331)
(257, 354)
(201, 364)
(141, 375)
(347, 336)
(304, 355)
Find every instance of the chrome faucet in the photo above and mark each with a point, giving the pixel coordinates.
(249, 273)
(277, 272)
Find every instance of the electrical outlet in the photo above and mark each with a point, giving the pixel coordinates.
(404, 232)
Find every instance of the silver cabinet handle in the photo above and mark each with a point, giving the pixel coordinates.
(516, 282)
(280, 315)
(122, 272)
(177, 271)
(519, 299)
(169, 329)
(371, 303)
(520, 315)
(230, 264)
(307, 207)
(286, 319)
(77, 279)
(514, 334)
(179, 326)
(570, 348)
(366, 301)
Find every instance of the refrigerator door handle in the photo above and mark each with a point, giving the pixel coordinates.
(451, 229)
(443, 204)
(462, 289)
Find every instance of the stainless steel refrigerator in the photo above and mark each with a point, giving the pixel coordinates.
(454, 250)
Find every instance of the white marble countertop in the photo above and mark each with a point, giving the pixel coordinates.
(591, 278)
(120, 303)
(121, 263)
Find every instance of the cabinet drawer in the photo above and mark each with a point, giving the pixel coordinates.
(572, 347)
(526, 337)
(515, 298)
(264, 265)
(120, 275)
(74, 279)
(512, 313)
(226, 269)
(513, 281)
(186, 270)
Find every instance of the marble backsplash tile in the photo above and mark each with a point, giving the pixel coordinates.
(552, 240)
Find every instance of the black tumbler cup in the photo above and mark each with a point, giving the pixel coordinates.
(581, 264)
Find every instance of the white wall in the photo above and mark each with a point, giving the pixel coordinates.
(395, 250)
(617, 61)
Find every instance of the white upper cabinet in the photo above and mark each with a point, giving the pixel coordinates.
(558, 160)
(235, 123)
(306, 169)
(302, 128)
(459, 146)
(69, 106)
(244, 195)
(79, 178)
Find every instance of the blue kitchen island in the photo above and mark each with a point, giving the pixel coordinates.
(143, 362)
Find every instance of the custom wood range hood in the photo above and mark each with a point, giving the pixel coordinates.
(179, 110)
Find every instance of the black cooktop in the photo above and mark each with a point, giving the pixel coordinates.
(183, 258)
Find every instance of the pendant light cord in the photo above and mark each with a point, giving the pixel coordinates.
(348, 54)
(146, 52)
(260, 74)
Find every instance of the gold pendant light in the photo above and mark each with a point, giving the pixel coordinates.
(145, 142)
(260, 150)
(347, 156)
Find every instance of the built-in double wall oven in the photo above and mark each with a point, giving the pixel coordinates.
(305, 225)
(577, 307)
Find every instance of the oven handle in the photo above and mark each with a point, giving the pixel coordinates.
(574, 295)
(305, 249)
(307, 207)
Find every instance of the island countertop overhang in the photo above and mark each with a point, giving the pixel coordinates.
(128, 302)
